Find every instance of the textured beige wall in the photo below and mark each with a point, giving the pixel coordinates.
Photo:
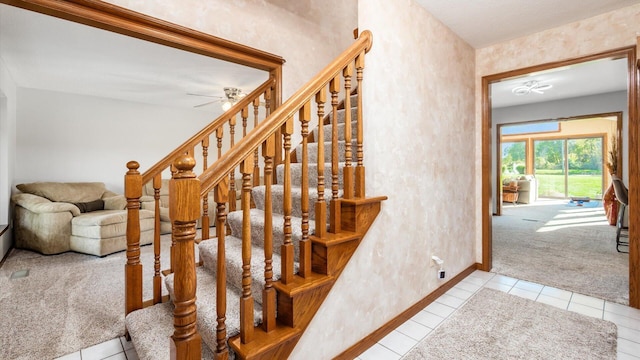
(312, 39)
(419, 151)
(604, 32)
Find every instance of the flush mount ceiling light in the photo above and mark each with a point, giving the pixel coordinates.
(531, 86)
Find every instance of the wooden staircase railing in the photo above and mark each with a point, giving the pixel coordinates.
(324, 249)
(258, 103)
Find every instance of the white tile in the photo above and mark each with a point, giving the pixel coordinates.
(556, 293)
(378, 352)
(469, 286)
(119, 356)
(622, 310)
(439, 309)
(622, 320)
(553, 301)
(629, 334)
(529, 286)
(474, 280)
(483, 275)
(498, 286)
(101, 351)
(588, 301)
(398, 342)
(524, 293)
(459, 293)
(449, 300)
(427, 319)
(73, 356)
(506, 280)
(585, 310)
(414, 330)
(628, 347)
(126, 345)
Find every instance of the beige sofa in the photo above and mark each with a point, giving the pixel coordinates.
(54, 217)
(527, 188)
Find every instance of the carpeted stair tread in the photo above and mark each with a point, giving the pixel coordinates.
(329, 128)
(277, 198)
(313, 151)
(206, 303)
(296, 175)
(341, 113)
(234, 219)
(150, 329)
(233, 255)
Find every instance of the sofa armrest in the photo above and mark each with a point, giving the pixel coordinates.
(40, 205)
(118, 202)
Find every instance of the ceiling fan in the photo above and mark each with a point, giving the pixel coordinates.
(231, 96)
(531, 86)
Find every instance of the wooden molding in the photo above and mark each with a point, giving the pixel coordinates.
(364, 344)
(634, 153)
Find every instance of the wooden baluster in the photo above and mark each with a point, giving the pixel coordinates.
(286, 252)
(221, 197)
(246, 302)
(232, 174)
(334, 205)
(157, 279)
(133, 267)
(185, 210)
(305, 243)
(256, 166)
(321, 206)
(205, 199)
(219, 134)
(245, 116)
(347, 172)
(269, 293)
(359, 183)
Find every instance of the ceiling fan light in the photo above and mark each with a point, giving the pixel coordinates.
(226, 105)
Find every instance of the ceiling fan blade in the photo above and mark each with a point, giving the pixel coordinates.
(211, 96)
(207, 103)
(544, 87)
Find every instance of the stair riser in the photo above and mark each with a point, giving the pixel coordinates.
(327, 132)
(277, 200)
(296, 175)
(313, 152)
(341, 114)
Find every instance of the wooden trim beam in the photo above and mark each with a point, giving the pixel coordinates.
(120, 20)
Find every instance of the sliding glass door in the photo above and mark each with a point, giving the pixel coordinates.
(569, 167)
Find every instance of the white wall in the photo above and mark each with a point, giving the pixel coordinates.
(67, 137)
(7, 150)
(584, 105)
(612, 30)
(418, 119)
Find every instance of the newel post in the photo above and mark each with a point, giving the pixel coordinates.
(184, 198)
(133, 268)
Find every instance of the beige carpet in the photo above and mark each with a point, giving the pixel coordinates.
(68, 302)
(496, 325)
(570, 248)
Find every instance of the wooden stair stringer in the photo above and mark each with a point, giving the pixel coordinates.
(299, 300)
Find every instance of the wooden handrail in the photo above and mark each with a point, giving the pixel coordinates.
(278, 117)
(197, 138)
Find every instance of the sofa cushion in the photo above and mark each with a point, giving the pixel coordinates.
(90, 206)
(65, 192)
(107, 223)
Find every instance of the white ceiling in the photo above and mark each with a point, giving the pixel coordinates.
(486, 22)
(48, 53)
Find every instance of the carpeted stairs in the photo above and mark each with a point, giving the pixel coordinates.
(151, 327)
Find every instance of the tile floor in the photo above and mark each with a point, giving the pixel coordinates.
(407, 335)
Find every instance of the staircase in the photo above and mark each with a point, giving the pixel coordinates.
(271, 264)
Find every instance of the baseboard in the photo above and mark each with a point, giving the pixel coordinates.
(364, 344)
